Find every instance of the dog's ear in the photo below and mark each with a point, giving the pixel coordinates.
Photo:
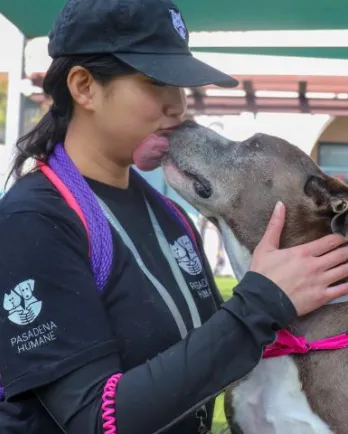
(331, 197)
(339, 224)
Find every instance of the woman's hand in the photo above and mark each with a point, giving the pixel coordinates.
(303, 272)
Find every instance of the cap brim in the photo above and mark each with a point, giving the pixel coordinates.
(179, 70)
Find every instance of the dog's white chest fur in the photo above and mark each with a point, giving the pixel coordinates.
(271, 401)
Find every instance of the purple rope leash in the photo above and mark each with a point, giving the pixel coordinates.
(100, 232)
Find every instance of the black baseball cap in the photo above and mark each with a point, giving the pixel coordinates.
(148, 35)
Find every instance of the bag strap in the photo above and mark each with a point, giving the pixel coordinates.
(172, 209)
(183, 219)
(67, 196)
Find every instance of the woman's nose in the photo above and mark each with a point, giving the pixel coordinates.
(177, 103)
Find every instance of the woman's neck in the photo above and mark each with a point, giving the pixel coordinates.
(92, 163)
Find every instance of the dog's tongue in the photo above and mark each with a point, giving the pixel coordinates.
(149, 153)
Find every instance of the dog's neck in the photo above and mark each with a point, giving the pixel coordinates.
(240, 257)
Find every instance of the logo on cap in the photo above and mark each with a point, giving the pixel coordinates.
(178, 23)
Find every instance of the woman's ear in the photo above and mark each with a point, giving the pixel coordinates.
(81, 86)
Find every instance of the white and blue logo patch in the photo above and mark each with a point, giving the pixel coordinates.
(21, 304)
(186, 256)
(178, 23)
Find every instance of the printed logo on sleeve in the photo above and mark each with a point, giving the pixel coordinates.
(22, 309)
(21, 304)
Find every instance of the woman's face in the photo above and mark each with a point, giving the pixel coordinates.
(129, 108)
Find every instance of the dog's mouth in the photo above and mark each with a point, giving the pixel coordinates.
(201, 185)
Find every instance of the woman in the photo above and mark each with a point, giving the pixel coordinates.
(127, 342)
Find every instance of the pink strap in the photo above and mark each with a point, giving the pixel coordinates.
(64, 191)
(287, 343)
(108, 405)
(333, 343)
(183, 218)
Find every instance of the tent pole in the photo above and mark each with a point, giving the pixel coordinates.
(15, 98)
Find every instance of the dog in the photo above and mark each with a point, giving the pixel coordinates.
(236, 185)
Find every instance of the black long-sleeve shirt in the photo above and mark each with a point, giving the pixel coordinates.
(60, 340)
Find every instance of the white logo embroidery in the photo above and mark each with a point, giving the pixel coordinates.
(23, 308)
(186, 256)
(178, 23)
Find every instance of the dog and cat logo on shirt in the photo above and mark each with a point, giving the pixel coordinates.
(188, 260)
(22, 306)
(22, 309)
(186, 255)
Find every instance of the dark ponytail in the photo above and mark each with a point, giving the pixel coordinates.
(52, 128)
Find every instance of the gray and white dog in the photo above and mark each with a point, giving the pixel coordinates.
(236, 185)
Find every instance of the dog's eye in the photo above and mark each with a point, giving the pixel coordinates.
(202, 189)
(200, 184)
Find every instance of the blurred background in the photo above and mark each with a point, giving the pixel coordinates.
(291, 59)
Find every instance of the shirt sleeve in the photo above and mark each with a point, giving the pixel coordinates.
(52, 320)
(166, 389)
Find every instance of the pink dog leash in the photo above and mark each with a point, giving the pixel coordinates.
(287, 343)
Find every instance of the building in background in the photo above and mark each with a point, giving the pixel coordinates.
(331, 148)
(304, 101)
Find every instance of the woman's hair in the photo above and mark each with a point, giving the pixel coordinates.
(52, 128)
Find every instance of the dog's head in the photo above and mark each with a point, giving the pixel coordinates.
(240, 182)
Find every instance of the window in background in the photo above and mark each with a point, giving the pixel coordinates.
(333, 159)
